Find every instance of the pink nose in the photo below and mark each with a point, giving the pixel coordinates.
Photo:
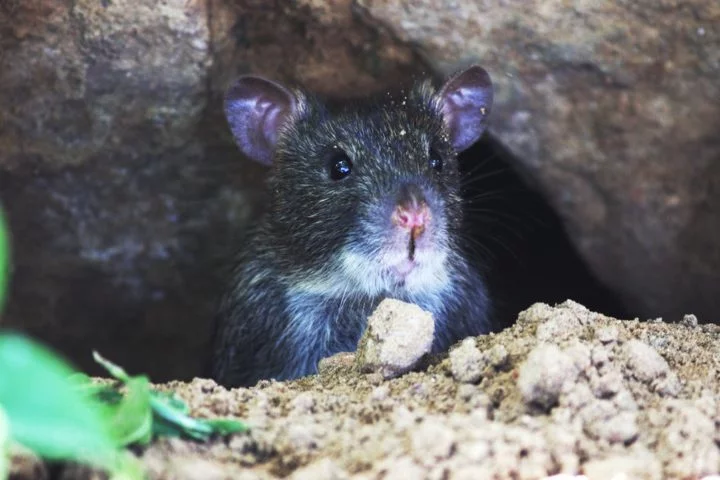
(411, 218)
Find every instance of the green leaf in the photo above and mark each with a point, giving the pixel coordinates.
(46, 411)
(132, 412)
(169, 414)
(4, 259)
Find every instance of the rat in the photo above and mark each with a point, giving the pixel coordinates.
(364, 205)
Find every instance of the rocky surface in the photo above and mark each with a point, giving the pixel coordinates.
(564, 391)
(123, 187)
(612, 109)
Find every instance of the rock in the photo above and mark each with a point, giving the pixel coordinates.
(622, 140)
(123, 187)
(467, 362)
(497, 357)
(603, 421)
(648, 366)
(607, 334)
(644, 361)
(543, 375)
(689, 321)
(398, 334)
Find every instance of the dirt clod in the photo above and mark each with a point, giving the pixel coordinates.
(397, 336)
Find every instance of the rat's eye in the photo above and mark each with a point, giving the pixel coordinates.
(340, 166)
(436, 162)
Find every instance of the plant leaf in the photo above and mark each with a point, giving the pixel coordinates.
(169, 413)
(46, 411)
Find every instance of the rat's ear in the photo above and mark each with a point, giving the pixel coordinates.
(466, 100)
(256, 110)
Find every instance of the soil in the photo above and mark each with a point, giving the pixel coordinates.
(563, 391)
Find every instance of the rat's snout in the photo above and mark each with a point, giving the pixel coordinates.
(413, 218)
(411, 212)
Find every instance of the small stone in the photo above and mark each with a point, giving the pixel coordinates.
(465, 392)
(542, 376)
(602, 420)
(645, 362)
(689, 321)
(536, 313)
(622, 428)
(580, 354)
(374, 378)
(497, 357)
(398, 335)
(600, 357)
(607, 384)
(607, 334)
(563, 324)
(467, 362)
(668, 386)
(379, 393)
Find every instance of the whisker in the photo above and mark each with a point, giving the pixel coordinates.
(466, 181)
(481, 163)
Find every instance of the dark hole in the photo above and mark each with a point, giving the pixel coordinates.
(520, 242)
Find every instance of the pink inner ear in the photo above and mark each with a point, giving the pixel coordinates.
(272, 121)
(466, 102)
(256, 109)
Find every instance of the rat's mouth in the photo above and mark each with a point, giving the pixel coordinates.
(412, 242)
(405, 266)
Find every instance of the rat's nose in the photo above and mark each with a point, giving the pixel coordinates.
(412, 218)
(412, 212)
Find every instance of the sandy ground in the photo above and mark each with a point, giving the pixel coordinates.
(565, 390)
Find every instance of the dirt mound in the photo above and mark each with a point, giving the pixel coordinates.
(565, 390)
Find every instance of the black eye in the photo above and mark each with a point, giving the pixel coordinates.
(340, 166)
(436, 162)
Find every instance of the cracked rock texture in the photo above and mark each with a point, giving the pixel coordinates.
(611, 108)
(603, 409)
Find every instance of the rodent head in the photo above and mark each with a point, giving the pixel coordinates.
(365, 197)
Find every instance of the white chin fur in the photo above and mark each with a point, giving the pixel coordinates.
(372, 276)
